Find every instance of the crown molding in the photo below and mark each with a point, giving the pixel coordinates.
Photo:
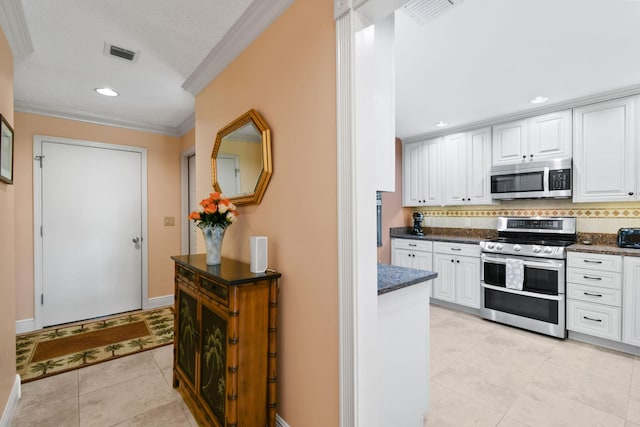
(572, 103)
(83, 116)
(186, 125)
(14, 26)
(256, 19)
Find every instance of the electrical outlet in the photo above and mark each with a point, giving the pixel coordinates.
(169, 221)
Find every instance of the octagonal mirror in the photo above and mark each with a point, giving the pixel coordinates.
(241, 159)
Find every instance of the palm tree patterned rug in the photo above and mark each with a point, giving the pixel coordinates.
(63, 348)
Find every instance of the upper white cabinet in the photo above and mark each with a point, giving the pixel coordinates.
(537, 138)
(468, 162)
(604, 161)
(421, 182)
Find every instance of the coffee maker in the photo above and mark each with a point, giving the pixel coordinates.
(418, 217)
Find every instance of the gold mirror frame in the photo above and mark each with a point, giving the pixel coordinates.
(250, 117)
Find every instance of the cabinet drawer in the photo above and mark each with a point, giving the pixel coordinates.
(414, 245)
(218, 291)
(594, 319)
(605, 279)
(595, 261)
(449, 248)
(595, 294)
(185, 275)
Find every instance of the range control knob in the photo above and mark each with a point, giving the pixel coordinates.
(517, 248)
(490, 245)
(499, 246)
(536, 249)
(547, 250)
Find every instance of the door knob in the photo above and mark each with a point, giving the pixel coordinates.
(136, 240)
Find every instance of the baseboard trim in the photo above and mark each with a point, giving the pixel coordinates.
(12, 404)
(280, 422)
(602, 342)
(25, 325)
(157, 302)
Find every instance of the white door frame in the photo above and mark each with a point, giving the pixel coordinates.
(184, 198)
(37, 216)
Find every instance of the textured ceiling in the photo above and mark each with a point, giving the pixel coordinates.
(67, 62)
(487, 58)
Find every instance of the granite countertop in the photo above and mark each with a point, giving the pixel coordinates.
(393, 277)
(604, 249)
(472, 236)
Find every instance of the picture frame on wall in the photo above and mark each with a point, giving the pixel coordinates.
(6, 151)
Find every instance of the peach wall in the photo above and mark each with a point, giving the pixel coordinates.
(393, 214)
(188, 140)
(288, 75)
(163, 186)
(7, 242)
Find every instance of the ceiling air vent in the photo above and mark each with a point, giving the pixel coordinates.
(120, 52)
(425, 10)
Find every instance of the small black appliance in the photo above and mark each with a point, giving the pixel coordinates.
(418, 217)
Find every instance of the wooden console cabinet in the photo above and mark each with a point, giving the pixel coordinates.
(224, 362)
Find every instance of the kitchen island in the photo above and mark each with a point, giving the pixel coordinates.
(403, 339)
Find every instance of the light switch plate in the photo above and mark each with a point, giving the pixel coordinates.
(169, 221)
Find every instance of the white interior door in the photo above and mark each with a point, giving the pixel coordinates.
(228, 174)
(91, 202)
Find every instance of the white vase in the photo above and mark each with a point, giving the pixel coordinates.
(213, 235)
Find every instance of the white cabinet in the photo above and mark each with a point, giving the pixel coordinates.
(412, 253)
(631, 301)
(541, 137)
(458, 268)
(421, 173)
(594, 294)
(468, 163)
(604, 162)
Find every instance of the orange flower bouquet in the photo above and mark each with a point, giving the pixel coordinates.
(217, 214)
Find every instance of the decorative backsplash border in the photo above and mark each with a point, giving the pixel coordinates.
(577, 212)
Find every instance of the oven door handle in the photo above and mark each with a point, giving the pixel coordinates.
(556, 265)
(523, 293)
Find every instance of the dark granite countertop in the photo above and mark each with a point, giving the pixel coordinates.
(471, 236)
(393, 277)
(604, 249)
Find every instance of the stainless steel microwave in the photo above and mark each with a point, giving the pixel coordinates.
(532, 180)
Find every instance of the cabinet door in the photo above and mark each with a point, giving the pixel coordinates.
(604, 136)
(455, 155)
(550, 136)
(443, 285)
(509, 142)
(431, 177)
(422, 260)
(411, 175)
(631, 301)
(213, 362)
(403, 258)
(478, 168)
(468, 281)
(187, 330)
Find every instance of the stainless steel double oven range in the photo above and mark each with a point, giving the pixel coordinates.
(538, 246)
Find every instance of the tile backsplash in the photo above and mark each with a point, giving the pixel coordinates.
(591, 218)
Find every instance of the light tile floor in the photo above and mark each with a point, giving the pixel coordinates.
(487, 374)
(130, 391)
(482, 374)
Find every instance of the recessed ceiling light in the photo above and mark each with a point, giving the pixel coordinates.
(107, 91)
(441, 124)
(539, 99)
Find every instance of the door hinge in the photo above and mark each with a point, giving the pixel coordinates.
(39, 159)
(41, 231)
(41, 299)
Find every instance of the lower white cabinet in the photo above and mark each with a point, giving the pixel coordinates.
(412, 253)
(458, 268)
(631, 301)
(594, 294)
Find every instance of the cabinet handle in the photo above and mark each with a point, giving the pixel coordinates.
(593, 320)
(451, 260)
(456, 249)
(524, 156)
(592, 295)
(592, 262)
(531, 155)
(458, 261)
(412, 244)
(631, 193)
(195, 336)
(592, 278)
